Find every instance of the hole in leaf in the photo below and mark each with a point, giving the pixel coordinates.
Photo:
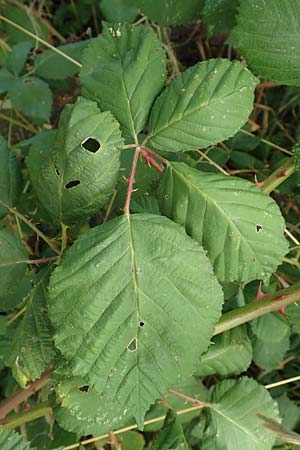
(57, 171)
(141, 324)
(258, 228)
(132, 346)
(28, 81)
(19, 362)
(91, 145)
(72, 183)
(84, 388)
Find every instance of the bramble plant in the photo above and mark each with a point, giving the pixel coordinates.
(149, 212)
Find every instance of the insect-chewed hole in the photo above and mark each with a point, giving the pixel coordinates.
(91, 145)
(132, 346)
(141, 323)
(72, 184)
(57, 171)
(84, 388)
(258, 228)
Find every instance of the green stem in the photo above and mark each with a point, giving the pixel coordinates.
(265, 141)
(279, 176)
(11, 120)
(20, 418)
(255, 309)
(32, 226)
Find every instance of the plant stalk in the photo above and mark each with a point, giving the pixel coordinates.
(22, 395)
(279, 176)
(131, 180)
(255, 309)
(20, 418)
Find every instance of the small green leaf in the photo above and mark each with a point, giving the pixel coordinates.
(219, 15)
(121, 303)
(267, 34)
(269, 354)
(12, 270)
(75, 177)
(132, 441)
(171, 12)
(11, 440)
(119, 10)
(229, 354)
(6, 80)
(234, 422)
(51, 65)
(32, 347)
(10, 178)
(124, 69)
(17, 57)
(293, 313)
(25, 19)
(240, 226)
(188, 114)
(32, 97)
(171, 436)
(271, 327)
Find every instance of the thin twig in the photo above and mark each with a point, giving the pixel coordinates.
(282, 382)
(265, 141)
(42, 41)
(30, 261)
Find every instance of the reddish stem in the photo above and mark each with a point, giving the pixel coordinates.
(187, 398)
(131, 180)
(24, 394)
(156, 155)
(151, 161)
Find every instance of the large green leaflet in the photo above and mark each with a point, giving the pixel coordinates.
(78, 174)
(32, 349)
(84, 410)
(239, 225)
(12, 267)
(234, 422)
(129, 299)
(124, 69)
(10, 178)
(171, 436)
(206, 104)
(267, 34)
(170, 12)
(269, 354)
(229, 354)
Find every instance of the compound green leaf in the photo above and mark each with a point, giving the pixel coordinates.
(12, 270)
(119, 10)
(51, 65)
(171, 12)
(10, 178)
(11, 440)
(230, 353)
(206, 104)
(241, 227)
(171, 436)
(219, 15)
(32, 97)
(124, 69)
(75, 177)
(129, 299)
(32, 346)
(267, 34)
(234, 422)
